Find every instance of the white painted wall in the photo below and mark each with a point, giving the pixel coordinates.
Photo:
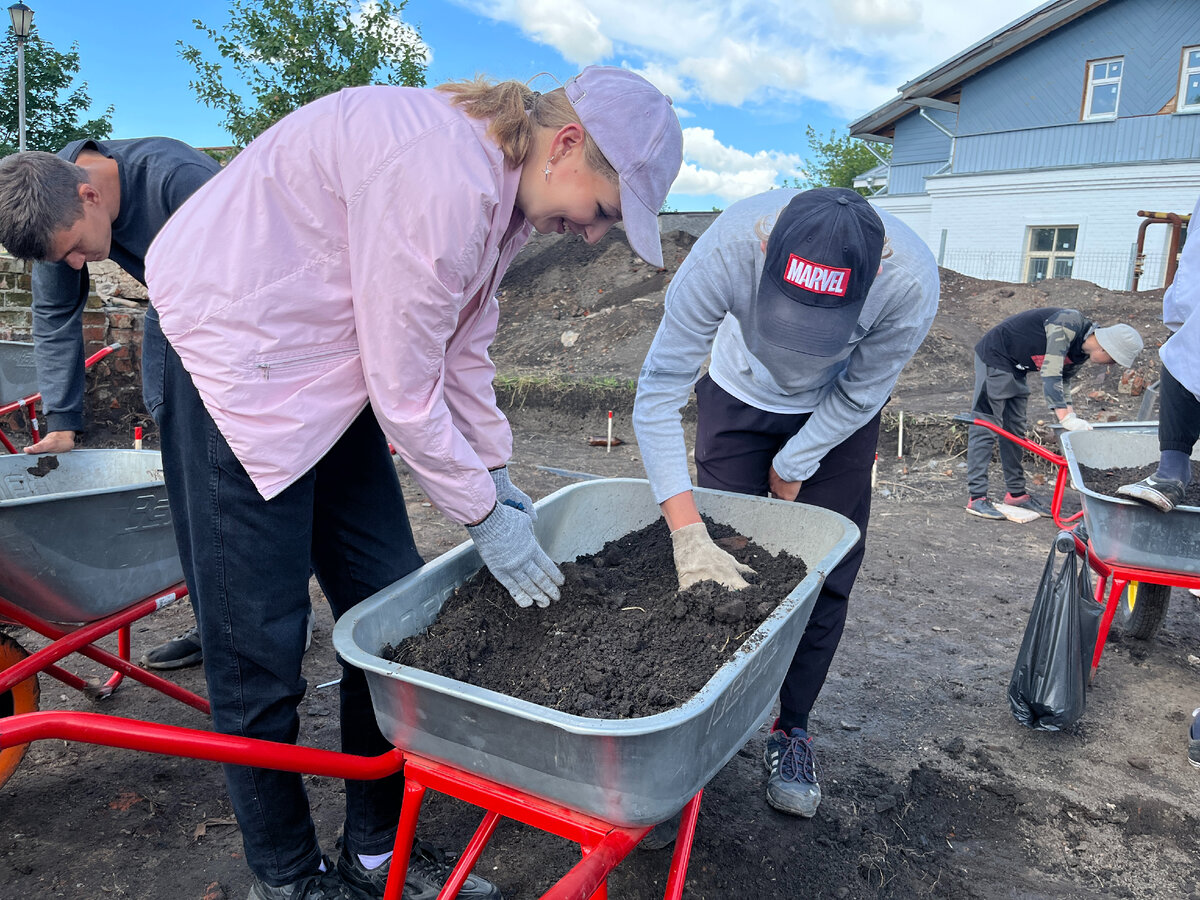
(985, 217)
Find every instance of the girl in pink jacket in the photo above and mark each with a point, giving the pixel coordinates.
(331, 291)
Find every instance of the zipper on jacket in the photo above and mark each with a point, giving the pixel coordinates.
(284, 364)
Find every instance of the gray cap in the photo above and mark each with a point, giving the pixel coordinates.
(636, 129)
(1121, 342)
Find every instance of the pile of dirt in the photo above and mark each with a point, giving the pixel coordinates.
(621, 642)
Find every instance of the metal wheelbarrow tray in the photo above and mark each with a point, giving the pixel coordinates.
(1124, 532)
(627, 772)
(85, 538)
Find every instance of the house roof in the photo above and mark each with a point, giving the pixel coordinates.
(941, 85)
(873, 177)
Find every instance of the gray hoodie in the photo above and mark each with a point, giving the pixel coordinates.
(706, 306)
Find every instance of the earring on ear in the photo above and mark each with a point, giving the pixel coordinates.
(546, 171)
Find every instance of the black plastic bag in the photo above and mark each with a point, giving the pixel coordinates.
(1048, 690)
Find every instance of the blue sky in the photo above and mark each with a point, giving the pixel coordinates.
(746, 78)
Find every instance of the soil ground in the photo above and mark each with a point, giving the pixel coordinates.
(931, 788)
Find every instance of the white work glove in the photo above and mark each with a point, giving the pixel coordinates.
(1072, 422)
(509, 549)
(697, 559)
(509, 494)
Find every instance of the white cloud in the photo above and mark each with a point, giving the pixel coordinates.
(567, 26)
(878, 13)
(851, 54)
(779, 61)
(711, 167)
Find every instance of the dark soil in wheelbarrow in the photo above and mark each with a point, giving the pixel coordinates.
(621, 642)
(1106, 481)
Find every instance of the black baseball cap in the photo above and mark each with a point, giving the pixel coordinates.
(822, 257)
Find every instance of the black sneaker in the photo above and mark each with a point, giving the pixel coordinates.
(1030, 502)
(792, 785)
(177, 653)
(319, 886)
(1162, 493)
(982, 507)
(428, 869)
(1194, 740)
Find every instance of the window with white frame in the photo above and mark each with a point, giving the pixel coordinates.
(1103, 88)
(1050, 252)
(1189, 80)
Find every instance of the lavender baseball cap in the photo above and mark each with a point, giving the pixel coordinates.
(635, 128)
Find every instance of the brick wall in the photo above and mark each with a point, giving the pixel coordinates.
(112, 315)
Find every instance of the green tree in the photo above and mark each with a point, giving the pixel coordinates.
(290, 52)
(836, 161)
(54, 104)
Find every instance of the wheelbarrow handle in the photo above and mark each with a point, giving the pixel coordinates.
(1038, 449)
(173, 740)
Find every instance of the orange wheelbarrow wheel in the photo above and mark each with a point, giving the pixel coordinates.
(23, 698)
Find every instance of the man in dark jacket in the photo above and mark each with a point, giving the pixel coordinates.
(1055, 342)
(115, 197)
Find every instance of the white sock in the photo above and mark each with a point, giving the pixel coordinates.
(374, 862)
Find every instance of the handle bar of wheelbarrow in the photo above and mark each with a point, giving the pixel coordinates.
(191, 743)
(1038, 449)
(29, 403)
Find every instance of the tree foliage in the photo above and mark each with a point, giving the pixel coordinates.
(54, 104)
(290, 52)
(836, 161)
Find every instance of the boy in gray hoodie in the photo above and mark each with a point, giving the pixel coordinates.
(810, 303)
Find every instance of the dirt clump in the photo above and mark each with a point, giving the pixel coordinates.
(621, 642)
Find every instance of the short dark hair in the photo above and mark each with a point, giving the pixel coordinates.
(39, 194)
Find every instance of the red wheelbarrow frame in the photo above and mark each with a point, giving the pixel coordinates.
(603, 845)
(29, 404)
(67, 639)
(1112, 576)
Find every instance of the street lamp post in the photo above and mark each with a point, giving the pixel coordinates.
(22, 22)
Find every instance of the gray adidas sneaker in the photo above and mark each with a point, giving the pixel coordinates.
(792, 785)
(982, 507)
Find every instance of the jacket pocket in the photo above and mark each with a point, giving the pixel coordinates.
(292, 364)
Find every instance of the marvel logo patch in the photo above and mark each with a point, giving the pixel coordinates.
(818, 279)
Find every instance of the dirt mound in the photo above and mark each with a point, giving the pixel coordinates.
(583, 310)
(580, 311)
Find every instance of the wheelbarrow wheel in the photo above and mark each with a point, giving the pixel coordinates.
(23, 698)
(1143, 608)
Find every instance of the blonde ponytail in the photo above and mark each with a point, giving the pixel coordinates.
(513, 112)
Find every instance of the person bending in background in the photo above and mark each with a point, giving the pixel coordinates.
(334, 290)
(1055, 342)
(809, 323)
(92, 200)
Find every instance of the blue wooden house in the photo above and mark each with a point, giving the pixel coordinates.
(1031, 154)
